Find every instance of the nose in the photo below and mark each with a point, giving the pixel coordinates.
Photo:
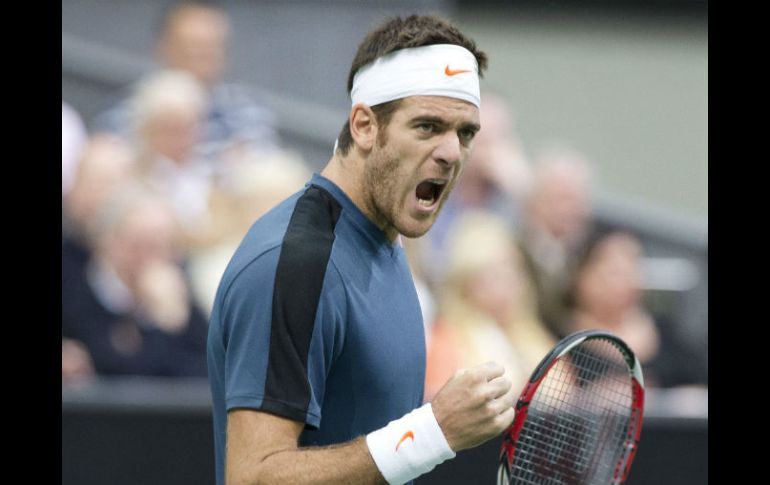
(449, 150)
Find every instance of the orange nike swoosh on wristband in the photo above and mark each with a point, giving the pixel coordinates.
(450, 72)
(408, 434)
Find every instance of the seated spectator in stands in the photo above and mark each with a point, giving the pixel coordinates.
(106, 163)
(168, 109)
(253, 185)
(486, 306)
(194, 38)
(73, 140)
(131, 309)
(556, 220)
(496, 179)
(606, 294)
(257, 182)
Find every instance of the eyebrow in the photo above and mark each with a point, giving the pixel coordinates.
(441, 121)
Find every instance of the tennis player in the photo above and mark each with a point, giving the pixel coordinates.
(316, 346)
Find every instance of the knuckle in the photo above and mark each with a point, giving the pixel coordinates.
(496, 368)
(490, 409)
(487, 394)
(506, 418)
(499, 423)
(465, 373)
(473, 378)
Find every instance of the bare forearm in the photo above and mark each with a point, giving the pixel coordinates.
(348, 463)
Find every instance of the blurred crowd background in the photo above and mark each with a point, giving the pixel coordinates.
(182, 123)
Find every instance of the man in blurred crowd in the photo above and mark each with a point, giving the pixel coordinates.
(130, 312)
(194, 38)
(169, 109)
(106, 163)
(496, 180)
(556, 222)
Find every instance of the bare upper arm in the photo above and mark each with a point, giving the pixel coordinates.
(254, 435)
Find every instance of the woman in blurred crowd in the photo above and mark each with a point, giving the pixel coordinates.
(606, 293)
(486, 308)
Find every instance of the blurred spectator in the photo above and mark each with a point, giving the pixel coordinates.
(606, 294)
(499, 174)
(486, 309)
(496, 178)
(168, 109)
(253, 185)
(194, 38)
(556, 221)
(106, 163)
(73, 139)
(256, 183)
(131, 309)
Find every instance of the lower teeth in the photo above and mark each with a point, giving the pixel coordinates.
(425, 203)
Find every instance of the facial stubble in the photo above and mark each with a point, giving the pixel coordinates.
(381, 185)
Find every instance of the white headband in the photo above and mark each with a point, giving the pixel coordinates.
(433, 70)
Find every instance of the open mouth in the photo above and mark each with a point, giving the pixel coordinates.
(429, 191)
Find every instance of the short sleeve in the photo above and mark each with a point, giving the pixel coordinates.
(282, 327)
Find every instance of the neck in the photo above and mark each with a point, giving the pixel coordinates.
(348, 174)
(342, 171)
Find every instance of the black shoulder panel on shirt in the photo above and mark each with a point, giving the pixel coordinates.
(299, 276)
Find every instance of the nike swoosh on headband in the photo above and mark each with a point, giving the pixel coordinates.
(450, 72)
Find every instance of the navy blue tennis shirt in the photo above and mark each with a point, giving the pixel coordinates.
(316, 319)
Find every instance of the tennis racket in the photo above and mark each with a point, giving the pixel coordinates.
(579, 418)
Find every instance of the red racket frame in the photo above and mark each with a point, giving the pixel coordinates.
(634, 431)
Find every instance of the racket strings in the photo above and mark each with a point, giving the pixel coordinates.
(577, 420)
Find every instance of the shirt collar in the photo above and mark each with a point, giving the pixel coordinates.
(352, 211)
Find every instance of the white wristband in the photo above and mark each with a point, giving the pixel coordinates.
(409, 447)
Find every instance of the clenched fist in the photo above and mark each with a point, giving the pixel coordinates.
(475, 405)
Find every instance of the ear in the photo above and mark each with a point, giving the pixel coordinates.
(363, 126)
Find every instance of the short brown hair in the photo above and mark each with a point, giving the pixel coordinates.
(400, 33)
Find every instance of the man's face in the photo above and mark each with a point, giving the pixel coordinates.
(416, 162)
(174, 133)
(563, 206)
(196, 42)
(146, 235)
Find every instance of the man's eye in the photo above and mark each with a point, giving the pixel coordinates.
(426, 127)
(467, 135)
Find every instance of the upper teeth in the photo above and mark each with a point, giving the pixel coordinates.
(429, 202)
